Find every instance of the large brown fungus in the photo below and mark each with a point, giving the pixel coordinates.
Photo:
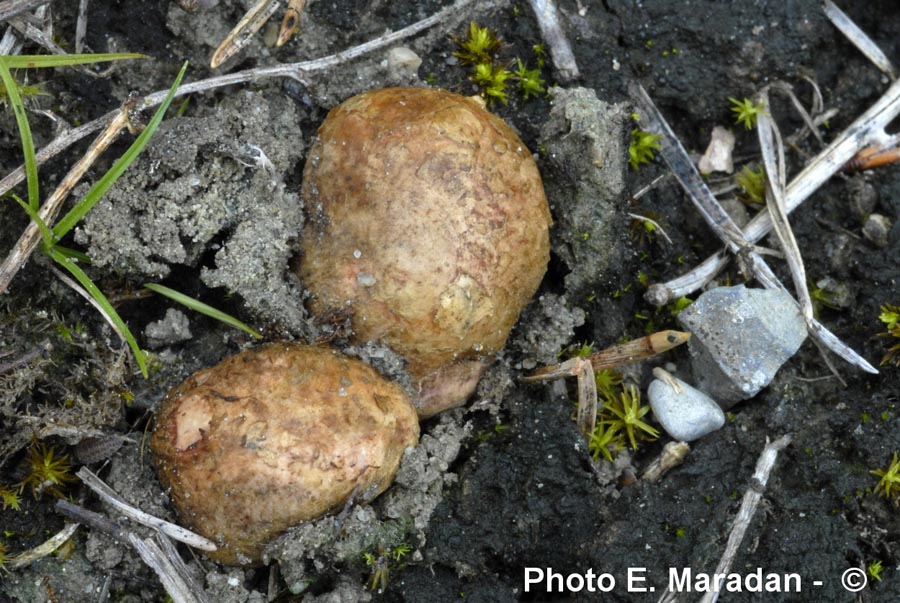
(429, 225)
(276, 435)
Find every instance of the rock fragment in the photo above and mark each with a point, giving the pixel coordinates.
(173, 328)
(877, 229)
(741, 337)
(686, 413)
(585, 160)
(717, 157)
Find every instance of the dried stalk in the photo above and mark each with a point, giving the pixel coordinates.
(553, 34)
(721, 223)
(115, 120)
(169, 568)
(32, 234)
(858, 38)
(91, 519)
(81, 26)
(36, 35)
(773, 159)
(243, 32)
(748, 508)
(45, 548)
(10, 44)
(162, 558)
(867, 128)
(11, 8)
(112, 498)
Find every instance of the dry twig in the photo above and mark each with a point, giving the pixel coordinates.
(11, 8)
(243, 32)
(858, 38)
(81, 26)
(45, 548)
(112, 498)
(168, 565)
(547, 15)
(32, 235)
(749, 503)
(162, 559)
(772, 150)
(866, 128)
(721, 223)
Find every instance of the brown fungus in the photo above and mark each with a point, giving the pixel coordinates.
(429, 225)
(274, 436)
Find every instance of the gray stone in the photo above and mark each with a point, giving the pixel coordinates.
(740, 338)
(686, 415)
(876, 229)
(174, 327)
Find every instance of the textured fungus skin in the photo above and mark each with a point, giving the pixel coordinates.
(276, 435)
(428, 222)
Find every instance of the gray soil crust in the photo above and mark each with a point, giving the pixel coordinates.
(212, 209)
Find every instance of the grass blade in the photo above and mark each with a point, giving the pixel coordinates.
(202, 308)
(15, 101)
(80, 256)
(81, 208)
(86, 282)
(62, 60)
(46, 235)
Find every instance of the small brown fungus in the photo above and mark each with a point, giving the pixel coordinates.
(276, 435)
(429, 225)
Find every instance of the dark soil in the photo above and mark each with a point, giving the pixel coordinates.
(528, 493)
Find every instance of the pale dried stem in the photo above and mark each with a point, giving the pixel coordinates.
(162, 558)
(11, 8)
(552, 33)
(867, 128)
(653, 223)
(44, 549)
(117, 119)
(112, 498)
(81, 26)
(858, 38)
(750, 502)
(243, 32)
(32, 234)
(169, 570)
(772, 150)
(773, 159)
(36, 35)
(721, 223)
(10, 44)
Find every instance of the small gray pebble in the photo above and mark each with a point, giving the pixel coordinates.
(740, 337)
(686, 416)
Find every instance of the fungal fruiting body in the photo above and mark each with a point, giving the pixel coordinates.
(429, 226)
(276, 435)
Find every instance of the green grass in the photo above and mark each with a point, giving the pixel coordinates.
(66, 258)
(202, 308)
